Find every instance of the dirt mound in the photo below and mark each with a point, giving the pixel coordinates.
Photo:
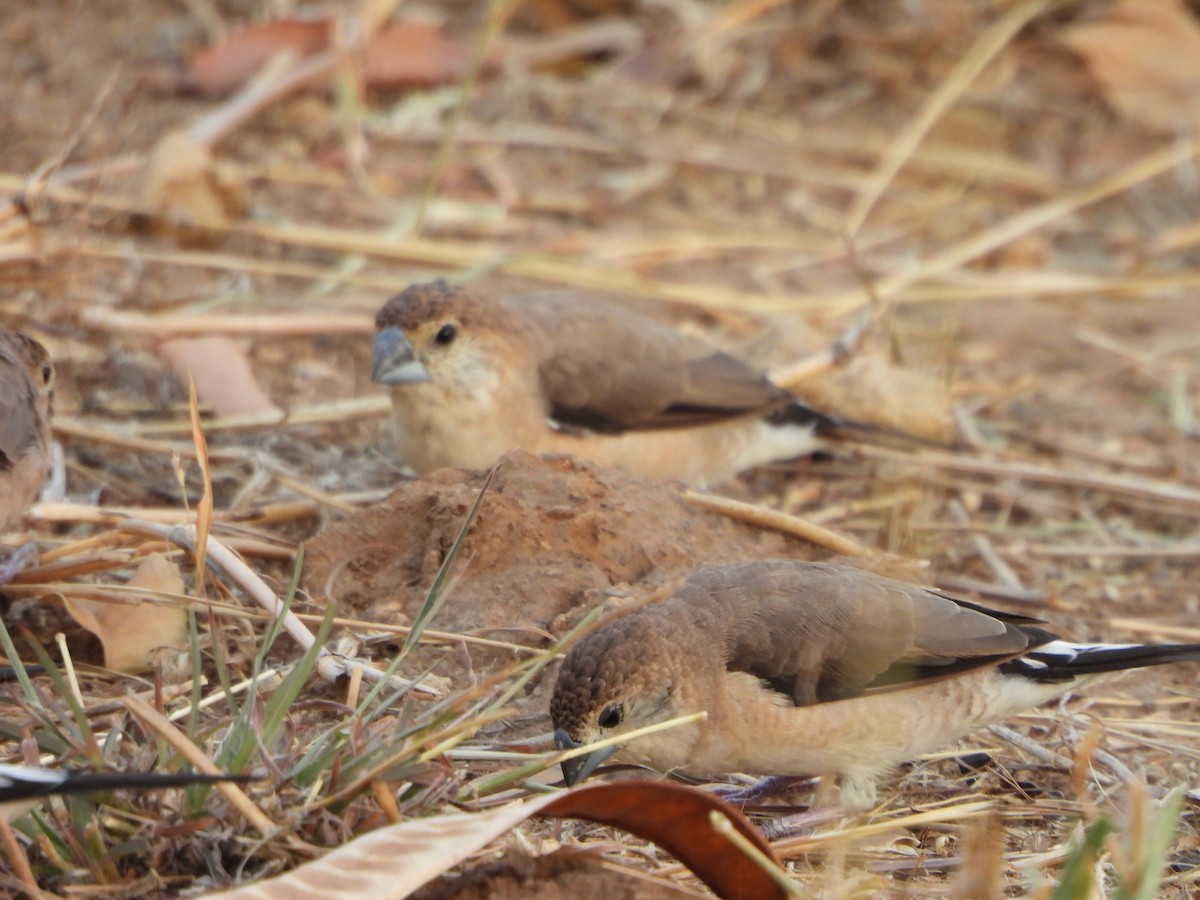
(554, 538)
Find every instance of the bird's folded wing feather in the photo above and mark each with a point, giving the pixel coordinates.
(819, 632)
(18, 430)
(613, 370)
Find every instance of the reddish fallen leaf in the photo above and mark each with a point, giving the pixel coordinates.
(403, 54)
(227, 65)
(392, 862)
(222, 374)
(413, 54)
(676, 818)
(1143, 53)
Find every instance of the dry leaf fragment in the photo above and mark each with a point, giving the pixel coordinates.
(133, 633)
(870, 389)
(186, 186)
(222, 374)
(1143, 53)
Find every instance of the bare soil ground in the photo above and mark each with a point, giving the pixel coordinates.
(1030, 257)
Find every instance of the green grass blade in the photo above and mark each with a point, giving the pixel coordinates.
(1156, 842)
(435, 598)
(1079, 870)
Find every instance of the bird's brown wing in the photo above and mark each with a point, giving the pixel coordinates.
(610, 369)
(19, 428)
(819, 632)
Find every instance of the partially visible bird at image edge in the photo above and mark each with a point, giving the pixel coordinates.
(26, 400)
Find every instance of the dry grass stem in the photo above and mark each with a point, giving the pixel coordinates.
(947, 93)
(1122, 485)
(762, 517)
(154, 720)
(18, 860)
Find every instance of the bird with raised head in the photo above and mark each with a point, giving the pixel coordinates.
(473, 377)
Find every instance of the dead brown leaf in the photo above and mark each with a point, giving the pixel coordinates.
(222, 374)
(1143, 53)
(133, 633)
(185, 185)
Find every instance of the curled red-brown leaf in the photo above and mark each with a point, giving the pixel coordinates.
(676, 818)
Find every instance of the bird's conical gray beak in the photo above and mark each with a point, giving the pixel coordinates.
(576, 769)
(394, 362)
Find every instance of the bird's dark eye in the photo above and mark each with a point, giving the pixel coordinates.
(445, 334)
(47, 374)
(611, 717)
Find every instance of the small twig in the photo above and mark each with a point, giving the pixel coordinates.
(78, 429)
(1182, 551)
(165, 515)
(498, 12)
(1024, 222)
(1158, 629)
(1119, 768)
(267, 680)
(1033, 748)
(260, 93)
(69, 667)
(963, 584)
(842, 348)
(950, 88)
(762, 517)
(1183, 416)
(1124, 485)
(290, 324)
(801, 844)
(18, 859)
(721, 824)
(49, 169)
(344, 410)
(983, 546)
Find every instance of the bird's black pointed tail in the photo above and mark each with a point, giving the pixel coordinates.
(86, 782)
(1060, 661)
(838, 428)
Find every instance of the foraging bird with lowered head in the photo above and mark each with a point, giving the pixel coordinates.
(472, 378)
(26, 398)
(812, 669)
